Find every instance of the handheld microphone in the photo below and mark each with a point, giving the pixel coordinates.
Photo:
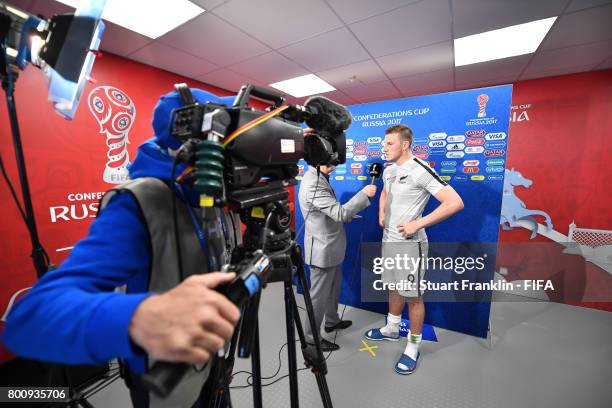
(376, 170)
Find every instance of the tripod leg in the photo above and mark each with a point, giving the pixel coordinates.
(290, 315)
(84, 403)
(256, 366)
(317, 361)
(324, 390)
(297, 259)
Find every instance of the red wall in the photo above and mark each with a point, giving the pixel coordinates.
(560, 140)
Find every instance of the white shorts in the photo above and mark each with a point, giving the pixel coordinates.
(409, 266)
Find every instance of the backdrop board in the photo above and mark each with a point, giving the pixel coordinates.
(463, 136)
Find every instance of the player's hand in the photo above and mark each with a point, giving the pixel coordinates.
(188, 323)
(381, 220)
(370, 190)
(409, 229)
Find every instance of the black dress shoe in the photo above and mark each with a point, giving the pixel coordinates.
(328, 346)
(344, 324)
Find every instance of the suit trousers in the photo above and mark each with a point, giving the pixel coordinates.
(325, 294)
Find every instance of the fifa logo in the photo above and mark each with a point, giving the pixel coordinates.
(115, 113)
(482, 105)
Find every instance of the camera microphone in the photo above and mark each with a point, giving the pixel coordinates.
(376, 170)
(327, 115)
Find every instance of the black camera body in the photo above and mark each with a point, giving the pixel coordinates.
(268, 146)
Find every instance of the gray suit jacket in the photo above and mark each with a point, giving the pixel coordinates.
(324, 239)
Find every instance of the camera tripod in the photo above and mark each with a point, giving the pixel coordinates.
(270, 231)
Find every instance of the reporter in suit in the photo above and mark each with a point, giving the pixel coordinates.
(325, 245)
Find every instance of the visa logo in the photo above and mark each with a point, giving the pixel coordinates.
(495, 136)
(437, 143)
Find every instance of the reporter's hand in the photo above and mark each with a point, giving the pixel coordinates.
(370, 190)
(188, 323)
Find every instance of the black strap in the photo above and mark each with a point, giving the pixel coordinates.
(185, 93)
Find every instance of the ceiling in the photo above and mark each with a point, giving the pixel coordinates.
(369, 50)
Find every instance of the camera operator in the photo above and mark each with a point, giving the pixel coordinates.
(325, 245)
(169, 311)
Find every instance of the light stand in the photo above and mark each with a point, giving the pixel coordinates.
(40, 258)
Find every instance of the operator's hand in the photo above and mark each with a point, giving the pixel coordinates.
(308, 131)
(409, 229)
(188, 323)
(381, 220)
(370, 190)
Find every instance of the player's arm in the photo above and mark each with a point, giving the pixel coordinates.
(381, 208)
(450, 203)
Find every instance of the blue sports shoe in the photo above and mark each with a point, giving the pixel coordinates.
(410, 364)
(376, 335)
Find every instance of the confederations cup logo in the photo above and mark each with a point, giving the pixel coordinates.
(482, 105)
(115, 114)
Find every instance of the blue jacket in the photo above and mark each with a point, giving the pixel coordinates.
(72, 314)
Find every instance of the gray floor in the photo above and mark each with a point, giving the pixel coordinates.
(541, 355)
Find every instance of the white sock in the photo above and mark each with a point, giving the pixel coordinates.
(392, 327)
(412, 348)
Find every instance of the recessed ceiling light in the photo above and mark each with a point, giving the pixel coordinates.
(502, 43)
(303, 86)
(151, 18)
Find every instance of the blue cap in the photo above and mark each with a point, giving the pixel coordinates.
(172, 100)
